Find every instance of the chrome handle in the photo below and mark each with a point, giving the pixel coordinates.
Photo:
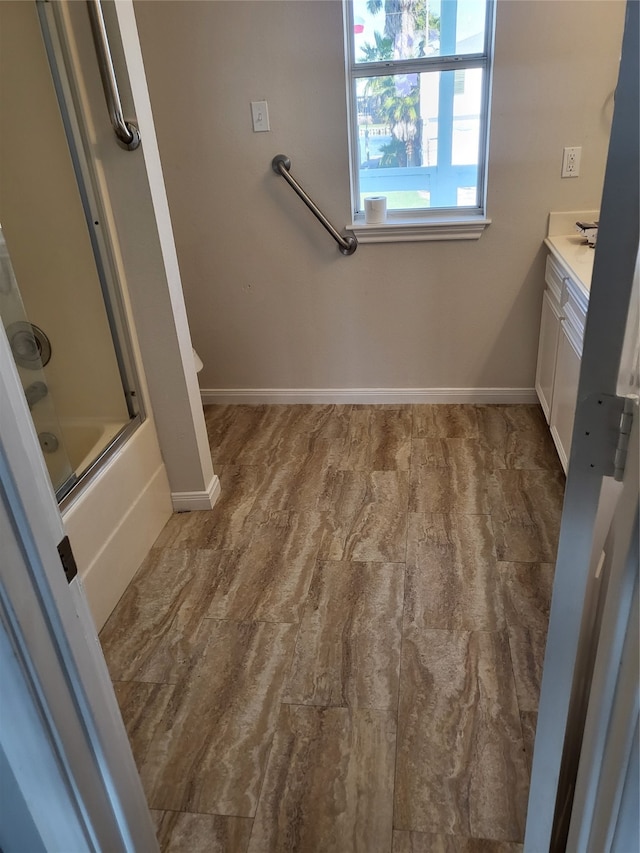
(281, 165)
(127, 133)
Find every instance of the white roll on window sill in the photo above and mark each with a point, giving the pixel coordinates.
(375, 210)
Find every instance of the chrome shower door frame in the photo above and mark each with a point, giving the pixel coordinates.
(52, 27)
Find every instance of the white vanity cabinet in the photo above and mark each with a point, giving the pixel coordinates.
(549, 333)
(563, 409)
(564, 311)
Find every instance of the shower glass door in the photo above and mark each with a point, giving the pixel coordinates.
(30, 349)
(56, 271)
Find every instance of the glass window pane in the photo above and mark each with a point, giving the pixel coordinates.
(411, 29)
(419, 138)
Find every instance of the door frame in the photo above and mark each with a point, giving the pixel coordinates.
(608, 760)
(48, 634)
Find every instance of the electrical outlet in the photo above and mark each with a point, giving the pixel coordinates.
(571, 162)
(260, 116)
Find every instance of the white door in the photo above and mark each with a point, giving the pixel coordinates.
(587, 630)
(67, 775)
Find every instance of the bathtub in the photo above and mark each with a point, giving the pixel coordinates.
(71, 446)
(115, 513)
(84, 441)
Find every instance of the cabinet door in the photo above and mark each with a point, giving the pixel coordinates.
(565, 392)
(547, 349)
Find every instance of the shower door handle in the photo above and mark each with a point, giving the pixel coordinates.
(127, 133)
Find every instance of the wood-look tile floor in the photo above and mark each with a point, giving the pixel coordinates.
(345, 654)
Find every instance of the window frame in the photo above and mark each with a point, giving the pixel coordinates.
(427, 223)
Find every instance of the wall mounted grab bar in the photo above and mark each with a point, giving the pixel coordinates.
(127, 133)
(281, 165)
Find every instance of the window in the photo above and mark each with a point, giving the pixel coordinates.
(419, 73)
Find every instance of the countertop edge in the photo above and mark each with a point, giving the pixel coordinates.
(562, 258)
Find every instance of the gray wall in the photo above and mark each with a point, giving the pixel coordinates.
(271, 302)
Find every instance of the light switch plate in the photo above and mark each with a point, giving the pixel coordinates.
(260, 116)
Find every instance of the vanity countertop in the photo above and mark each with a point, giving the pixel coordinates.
(577, 257)
(570, 248)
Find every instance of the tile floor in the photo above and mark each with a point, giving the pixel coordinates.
(345, 655)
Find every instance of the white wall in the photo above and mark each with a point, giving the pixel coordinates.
(271, 302)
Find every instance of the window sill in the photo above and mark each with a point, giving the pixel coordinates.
(416, 230)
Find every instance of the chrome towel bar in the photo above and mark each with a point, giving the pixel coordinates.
(127, 133)
(281, 165)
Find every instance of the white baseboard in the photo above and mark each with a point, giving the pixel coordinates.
(205, 499)
(256, 396)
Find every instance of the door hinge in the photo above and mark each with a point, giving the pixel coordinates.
(67, 559)
(624, 432)
(607, 427)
